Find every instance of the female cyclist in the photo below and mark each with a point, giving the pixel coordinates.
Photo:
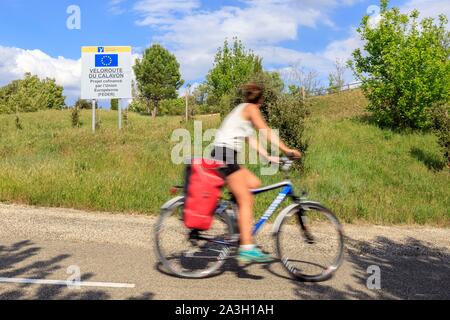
(239, 126)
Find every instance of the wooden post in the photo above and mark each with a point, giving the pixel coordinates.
(188, 87)
(303, 93)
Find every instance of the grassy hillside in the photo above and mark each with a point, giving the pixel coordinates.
(367, 173)
(50, 163)
(360, 171)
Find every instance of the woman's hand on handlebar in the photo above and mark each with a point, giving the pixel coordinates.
(293, 153)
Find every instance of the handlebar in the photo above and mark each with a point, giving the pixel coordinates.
(286, 163)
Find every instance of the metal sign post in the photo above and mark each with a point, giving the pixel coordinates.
(93, 115)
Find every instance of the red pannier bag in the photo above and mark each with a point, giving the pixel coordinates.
(202, 190)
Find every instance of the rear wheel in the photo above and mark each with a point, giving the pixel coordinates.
(187, 253)
(310, 243)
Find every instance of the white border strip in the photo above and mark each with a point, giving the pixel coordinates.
(67, 283)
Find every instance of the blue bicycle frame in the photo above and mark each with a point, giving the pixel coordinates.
(286, 191)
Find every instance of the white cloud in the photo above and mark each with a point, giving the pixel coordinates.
(115, 7)
(15, 62)
(323, 61)
(428, 8)
(194, 34)
(155, 12)
(343, 49)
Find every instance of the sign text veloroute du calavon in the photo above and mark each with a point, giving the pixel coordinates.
(106, 73)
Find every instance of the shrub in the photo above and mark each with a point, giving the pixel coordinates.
(227, 102)
(83, 104)
(114, 104)
(75, 116)
(18, 123)
(273, 87)
(204, 108)
(288, 114)
(31, 94)
(168, 107)
(173, 107)
(139, 106)
(441, 122)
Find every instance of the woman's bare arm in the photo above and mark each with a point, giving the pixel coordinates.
(259, 123)
(255, 144)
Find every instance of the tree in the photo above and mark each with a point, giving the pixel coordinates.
(336, 78)
(158, 76)
(297, 77)
(233, 66)
(200, 94)
(404, 67)
(114, 104)
(31, 94)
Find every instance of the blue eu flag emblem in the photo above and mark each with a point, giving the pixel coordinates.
(106, 60)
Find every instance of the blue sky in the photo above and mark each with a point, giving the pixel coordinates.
(310, 34)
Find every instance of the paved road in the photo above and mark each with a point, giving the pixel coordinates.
(41, 243)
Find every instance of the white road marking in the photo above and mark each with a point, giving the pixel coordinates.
(67, 283)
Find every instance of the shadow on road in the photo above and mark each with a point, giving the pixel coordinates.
(409, 270)
(241, 272)
(20, 260)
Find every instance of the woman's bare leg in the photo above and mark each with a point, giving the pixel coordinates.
(240, 184)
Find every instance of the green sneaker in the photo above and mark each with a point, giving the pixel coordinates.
(253, 255)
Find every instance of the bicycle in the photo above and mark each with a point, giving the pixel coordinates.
(209, 250)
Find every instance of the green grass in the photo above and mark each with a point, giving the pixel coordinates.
(362, 172)
(370, 174)
(50, 163)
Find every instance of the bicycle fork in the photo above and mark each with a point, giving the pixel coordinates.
(303, 220)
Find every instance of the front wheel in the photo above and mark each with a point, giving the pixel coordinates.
(310, 242)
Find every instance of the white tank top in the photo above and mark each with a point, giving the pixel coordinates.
(234, 130)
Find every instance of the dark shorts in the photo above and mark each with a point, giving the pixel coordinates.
(229, 157)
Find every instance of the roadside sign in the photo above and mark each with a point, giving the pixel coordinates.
(106, 72)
